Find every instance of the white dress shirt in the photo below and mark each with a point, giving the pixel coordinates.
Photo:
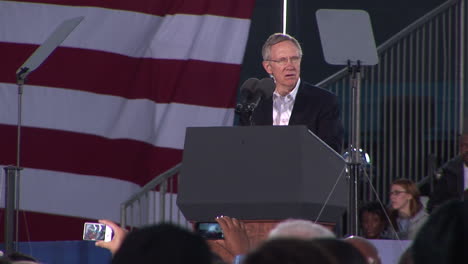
(283, 106)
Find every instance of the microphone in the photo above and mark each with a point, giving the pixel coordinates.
(267, 85)
(264, 88)
(248, 93)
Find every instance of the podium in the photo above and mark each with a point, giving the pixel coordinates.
(260, 173)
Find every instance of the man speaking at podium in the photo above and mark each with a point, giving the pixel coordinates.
(293, 101)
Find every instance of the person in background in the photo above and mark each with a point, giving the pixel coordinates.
(443, 238)
(237, 243)
(373, 221)
(299, 228)
(304, 251)
(17, 258)
(452, 181)
(407, 213)
(342, 252)
(406, 257)
(290, 251)
(161, 243)
(119, 235)
(367, 249)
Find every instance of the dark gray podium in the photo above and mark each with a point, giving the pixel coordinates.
(260, 172)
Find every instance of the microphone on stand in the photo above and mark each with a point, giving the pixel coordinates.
(251, 96)
(248, 93)
(267, 85)
(264, 88)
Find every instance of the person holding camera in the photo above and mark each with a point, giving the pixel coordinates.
(117, 240)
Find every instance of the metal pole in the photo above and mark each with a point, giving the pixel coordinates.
(20, 82)
(11, 209)
(285, 15)
(12, 183)
(354, 164)
(462, 77)
(18, 135)
(123, 215)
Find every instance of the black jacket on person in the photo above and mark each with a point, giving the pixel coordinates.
(450, 185)
(314, 107)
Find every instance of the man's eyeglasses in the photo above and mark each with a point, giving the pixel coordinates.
(283, 61)
(396, 192)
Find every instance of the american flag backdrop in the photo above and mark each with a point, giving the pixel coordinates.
(107, 111)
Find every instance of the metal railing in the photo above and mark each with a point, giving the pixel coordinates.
(412, 101)
(155, 202)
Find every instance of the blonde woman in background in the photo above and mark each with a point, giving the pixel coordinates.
(407, 213)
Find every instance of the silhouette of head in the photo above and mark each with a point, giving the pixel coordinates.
(163, 244)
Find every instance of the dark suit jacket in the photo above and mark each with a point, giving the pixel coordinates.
(314, 107)
(450, 185)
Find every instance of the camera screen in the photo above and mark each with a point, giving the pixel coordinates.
(210, 230)
(94, 231)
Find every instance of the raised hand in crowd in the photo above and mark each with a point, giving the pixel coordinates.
(119, 235)
(236, 240)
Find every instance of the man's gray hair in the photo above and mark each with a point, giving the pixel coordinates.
(302, 229)
(275, 39)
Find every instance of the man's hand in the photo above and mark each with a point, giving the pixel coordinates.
(117, 240)
(235, 235)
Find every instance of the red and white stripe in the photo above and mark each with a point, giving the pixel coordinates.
(107, 111)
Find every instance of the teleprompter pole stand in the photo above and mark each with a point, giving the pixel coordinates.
(12, 174)
(12, 178)
(12, 192)
(354, 162)
(347, 39)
